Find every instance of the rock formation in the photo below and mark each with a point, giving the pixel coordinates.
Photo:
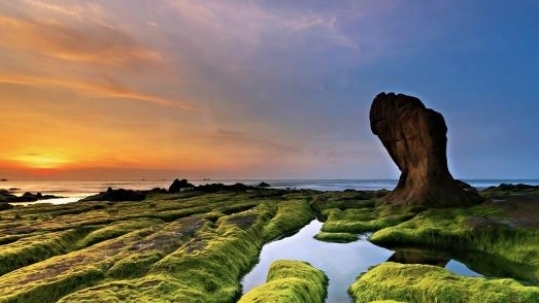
(179, 185)
(7, 196)
(116, 195)
(415, 137)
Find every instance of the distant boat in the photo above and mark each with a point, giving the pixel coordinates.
(3, 180)
(206, 179)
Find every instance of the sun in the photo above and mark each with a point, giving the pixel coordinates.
(41, 161)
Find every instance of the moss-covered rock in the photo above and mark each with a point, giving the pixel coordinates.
(426, 284)
(336, 237)
(290, 282)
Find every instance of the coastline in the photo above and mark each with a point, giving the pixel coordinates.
(73, 190)
(206, 239)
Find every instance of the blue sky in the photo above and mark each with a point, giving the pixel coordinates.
(265, 89)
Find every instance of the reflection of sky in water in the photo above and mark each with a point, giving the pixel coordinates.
(461, 269)
(342, 263)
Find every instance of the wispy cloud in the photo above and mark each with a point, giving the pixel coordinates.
(245, 140)
(252, 24)
(110, 90)
(91, 43)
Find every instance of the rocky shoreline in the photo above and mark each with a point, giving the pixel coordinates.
(6, 196)
(183, 240)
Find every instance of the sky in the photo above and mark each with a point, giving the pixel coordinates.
(131, 89)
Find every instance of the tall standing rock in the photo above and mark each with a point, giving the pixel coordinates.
(415, 137)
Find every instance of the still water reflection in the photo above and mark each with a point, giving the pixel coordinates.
(342, 262)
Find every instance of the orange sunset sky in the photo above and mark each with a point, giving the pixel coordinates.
(237, 89)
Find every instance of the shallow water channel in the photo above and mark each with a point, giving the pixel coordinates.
(342, 262)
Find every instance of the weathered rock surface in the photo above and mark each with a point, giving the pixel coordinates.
(415, 137)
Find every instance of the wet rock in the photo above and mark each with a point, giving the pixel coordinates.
(263, 185)
(179, 185)
(415, 138)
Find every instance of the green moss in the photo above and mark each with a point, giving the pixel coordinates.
(200, 264)
(289, 282)
(148, 251)
(425, 284)
(49, 280)
(32, 249)
(509, 252)
(291, 216)
(366, 219)
(336, 237)
(196, 248)
(341, 201)
(506, 191)
(117, 229)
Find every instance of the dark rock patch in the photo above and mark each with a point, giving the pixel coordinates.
(117, 195)
(263, 185)
(5, 206)
(217, 187)
(179, 185)
(242, 221)
(6, 196)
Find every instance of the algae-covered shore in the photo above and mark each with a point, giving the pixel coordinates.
(195, 246)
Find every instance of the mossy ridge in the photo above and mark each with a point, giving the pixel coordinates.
(426, 284)
(507, 191)
(36, 248)
(12, 238)
(148, 251)
(336, 237)
(322, 202)
(290, 217)
(289, 282)
(515, 249)
(116, 229)
(356, 212)
(208, 267)
(51, 218)
(49, 280)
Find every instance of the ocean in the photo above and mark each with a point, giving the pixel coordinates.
(72, 191)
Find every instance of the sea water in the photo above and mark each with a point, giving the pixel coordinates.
(75, 190)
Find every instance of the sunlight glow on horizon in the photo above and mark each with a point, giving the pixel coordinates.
(260, 88)
(41, 161)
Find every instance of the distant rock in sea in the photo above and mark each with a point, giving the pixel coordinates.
(415, 137)
(116, 195)
(216, 187)
(6, 196)
(179, 185)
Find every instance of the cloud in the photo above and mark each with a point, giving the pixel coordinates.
(75, 11)
(92, 43)
(110, 90)
(253, 25)
(246, 141)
